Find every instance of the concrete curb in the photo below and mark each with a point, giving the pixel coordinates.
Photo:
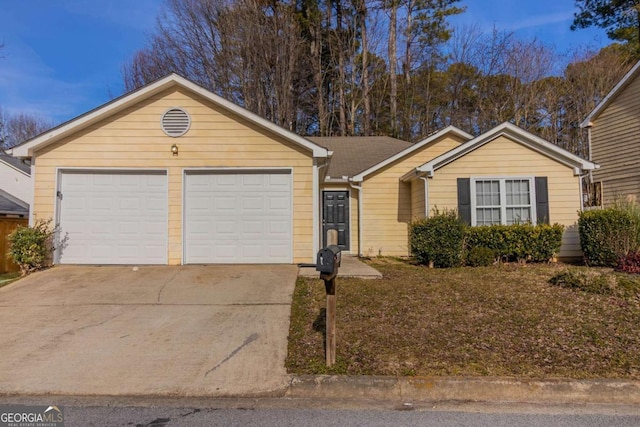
(473, 389)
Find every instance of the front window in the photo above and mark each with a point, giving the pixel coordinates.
(502, 201)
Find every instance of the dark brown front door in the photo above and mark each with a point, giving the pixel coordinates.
(335, 216)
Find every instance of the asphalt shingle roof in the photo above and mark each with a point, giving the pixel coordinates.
(12, 206)
(15, 162)
(354, 154)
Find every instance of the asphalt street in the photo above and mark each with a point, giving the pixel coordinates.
(280, 417)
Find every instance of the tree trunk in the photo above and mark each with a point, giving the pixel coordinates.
(366, 123)
(341, 71)
(393, 60)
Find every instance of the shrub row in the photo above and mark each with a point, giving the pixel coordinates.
(442, 240)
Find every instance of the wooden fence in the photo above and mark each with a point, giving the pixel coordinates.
(7, 225)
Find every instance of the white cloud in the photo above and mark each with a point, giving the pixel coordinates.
(541, 21)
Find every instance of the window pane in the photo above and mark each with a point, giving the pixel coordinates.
(487, 193)
(518, 215)
(517, 192)
(487, 216)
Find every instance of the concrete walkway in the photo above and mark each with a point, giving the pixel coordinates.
(351, 266)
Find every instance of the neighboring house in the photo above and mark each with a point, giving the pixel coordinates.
(614, 140)
(174, 174)
(16, 193)
(16, 187)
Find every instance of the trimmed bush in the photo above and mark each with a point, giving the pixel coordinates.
(480, 257)
(438, 240)
(31, 247)
(518, 242)
(606, 235)
(548, 240)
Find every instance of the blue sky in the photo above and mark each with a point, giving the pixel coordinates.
(64, 57)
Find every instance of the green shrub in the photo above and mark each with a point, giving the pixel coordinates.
(31, 247)
(606, 235)
(615, 284)
(518, 242)
(569, 279)
(602, 284)
(438, 240)
(630, 206)
(480, 257)
(547, 242)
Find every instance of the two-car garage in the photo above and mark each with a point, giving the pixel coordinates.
(172, 174)
(227, 216)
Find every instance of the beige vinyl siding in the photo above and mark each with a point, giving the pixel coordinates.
(353, 211)
(217, 139)
(615, 144)
(387, 209)
(502, 158)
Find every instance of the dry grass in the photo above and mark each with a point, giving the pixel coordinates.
(504, 320)
(7, 278)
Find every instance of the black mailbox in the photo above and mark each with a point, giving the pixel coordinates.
(328, 261)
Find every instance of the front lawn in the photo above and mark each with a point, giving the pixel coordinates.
(504, 320)
(7, 278)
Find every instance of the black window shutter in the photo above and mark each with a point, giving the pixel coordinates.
(542, 200)
(464, 200)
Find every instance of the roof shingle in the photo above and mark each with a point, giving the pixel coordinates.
(354, 154)
(16, 163)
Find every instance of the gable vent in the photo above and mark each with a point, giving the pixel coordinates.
(176, 122)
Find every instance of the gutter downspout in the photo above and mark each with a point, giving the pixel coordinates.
(589, 126)
(359, 188)
(317, 205)
(581, 176)
(426, 195)
(32, 202)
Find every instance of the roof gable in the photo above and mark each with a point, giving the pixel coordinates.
(608, 99)
(515, 134)
(411, 149)
(130, 99)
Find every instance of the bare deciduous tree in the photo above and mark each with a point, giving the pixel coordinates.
(17, 128)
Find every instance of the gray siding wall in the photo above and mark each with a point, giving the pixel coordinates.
(615, 144)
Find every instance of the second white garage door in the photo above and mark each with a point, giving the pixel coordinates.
(237, 217)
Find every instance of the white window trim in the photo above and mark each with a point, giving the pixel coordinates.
(503, 196)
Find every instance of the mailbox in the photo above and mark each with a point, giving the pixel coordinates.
(328, 261)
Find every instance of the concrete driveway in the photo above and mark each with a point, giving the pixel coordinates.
(174, 331)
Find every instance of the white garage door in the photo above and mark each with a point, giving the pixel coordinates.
(114, 217)
(237, 217)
